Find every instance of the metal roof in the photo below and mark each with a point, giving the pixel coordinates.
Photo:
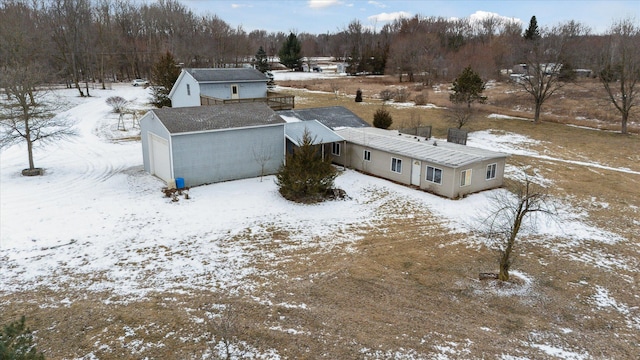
(434, 151)
(212, 75)
(333, 117)
(206, 118)
(320, 134)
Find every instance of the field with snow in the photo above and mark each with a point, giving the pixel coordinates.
(105, 267)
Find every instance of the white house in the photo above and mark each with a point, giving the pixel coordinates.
(446, 169)
(218, 83)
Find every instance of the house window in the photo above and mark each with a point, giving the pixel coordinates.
(234, 89)
(335, 149)
(188, 90)
(434, 175)
(396, 165)
(367, 155)
(465, 178)
(491, 171)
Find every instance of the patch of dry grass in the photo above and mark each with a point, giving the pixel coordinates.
(409, 283)
(583, 103)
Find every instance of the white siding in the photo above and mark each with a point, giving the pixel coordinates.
(183, 98)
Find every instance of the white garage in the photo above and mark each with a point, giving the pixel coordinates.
(209, 144)
(159, 157)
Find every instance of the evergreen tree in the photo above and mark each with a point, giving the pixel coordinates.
(353, 62)
(358, 95)
(467, 88)
(289, 54)
(567, 72)
(16, 342)
(164, 74)
(382, 118)
(306, 177)
(532, 32)
(260, 61)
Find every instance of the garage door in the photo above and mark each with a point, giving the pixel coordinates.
(159, 161)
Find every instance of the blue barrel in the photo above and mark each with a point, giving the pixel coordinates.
(179, 183)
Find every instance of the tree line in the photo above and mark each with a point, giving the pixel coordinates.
(78, 42)
(94, 40)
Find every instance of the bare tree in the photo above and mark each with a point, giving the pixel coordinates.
(510, 212)
(543, 59)
(224, 329)
(27, 115)
(262, 156)
(541, 81)
(117, 103)
(335, 87)
(620, 67)
(460, 114)
(70, 22)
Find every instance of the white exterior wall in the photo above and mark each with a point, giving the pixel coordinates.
(352, 155)
(151, 126)
(246, 90)
(186, 92)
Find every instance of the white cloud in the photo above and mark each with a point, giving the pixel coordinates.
(387, 17)
(377, 4)
(238, 6)
(319, 4)
(480, 15)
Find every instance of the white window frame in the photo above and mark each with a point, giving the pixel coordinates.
(492, 170)
(234, 90)
(465, 177)
(367, 155)
(188, 90)
(396, 165)
(335, 148)
(433, 175)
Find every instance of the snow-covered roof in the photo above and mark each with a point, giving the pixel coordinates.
(319, 133)
(434, 151)
(216, 117)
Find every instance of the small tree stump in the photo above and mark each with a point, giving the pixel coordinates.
(33, 172)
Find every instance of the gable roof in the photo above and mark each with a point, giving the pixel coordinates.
(433, 151)
(216, 75)
(320, 134)
(217, 117)
(333, 117)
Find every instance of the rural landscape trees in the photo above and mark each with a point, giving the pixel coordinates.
(164, 74)
(620, 68)
(80, 43)
(28, 114)
(289, 54)
(97, 41)
(510, 213)
(467, 89)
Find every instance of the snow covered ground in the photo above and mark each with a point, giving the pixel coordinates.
(96, 221)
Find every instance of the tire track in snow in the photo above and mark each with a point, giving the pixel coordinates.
(74, 167)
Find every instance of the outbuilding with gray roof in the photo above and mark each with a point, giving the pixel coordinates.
(208, 144)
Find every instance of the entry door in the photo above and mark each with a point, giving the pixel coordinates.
(415, 172)
(235, 92)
